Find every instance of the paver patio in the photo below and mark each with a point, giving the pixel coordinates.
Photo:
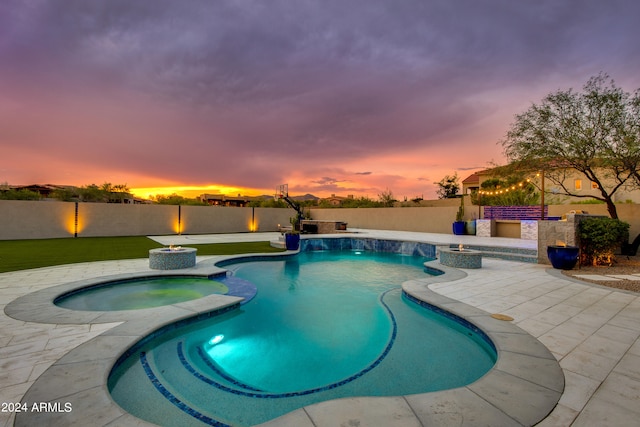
(593, 331)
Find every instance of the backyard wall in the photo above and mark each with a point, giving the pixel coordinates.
(427, 220)
(45, 220)
(627, 212)
(40, 220)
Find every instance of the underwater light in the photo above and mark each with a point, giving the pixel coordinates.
(215, 340)
(358, 253)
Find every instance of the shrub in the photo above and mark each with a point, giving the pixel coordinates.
(599, 238)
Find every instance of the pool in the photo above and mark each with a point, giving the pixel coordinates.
(324, 325)
(141, 293)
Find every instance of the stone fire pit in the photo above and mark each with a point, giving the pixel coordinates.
(172, 258)
(460, 258)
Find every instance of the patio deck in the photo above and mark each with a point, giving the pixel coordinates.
(593, 331)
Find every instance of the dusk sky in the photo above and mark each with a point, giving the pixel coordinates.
(332, 97)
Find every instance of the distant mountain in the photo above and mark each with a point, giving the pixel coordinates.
(305, 197)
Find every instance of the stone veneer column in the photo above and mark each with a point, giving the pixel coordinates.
(529, 229)
(554, 232)
(485, 227)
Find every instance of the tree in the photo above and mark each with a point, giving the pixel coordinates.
(175, 199)
(22, 194)
(92, 193)
(595, 133)
(386, 198)
(507, 191)
(448, 186)
(121, 192)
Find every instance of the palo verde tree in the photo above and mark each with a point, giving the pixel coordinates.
(595, 133)
(448, 186)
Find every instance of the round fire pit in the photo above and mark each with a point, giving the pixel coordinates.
(465, 258)
(172, 258)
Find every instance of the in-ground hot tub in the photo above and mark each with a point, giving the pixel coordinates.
(172, 258)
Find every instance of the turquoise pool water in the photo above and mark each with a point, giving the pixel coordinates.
(140, 293)
(323, 325)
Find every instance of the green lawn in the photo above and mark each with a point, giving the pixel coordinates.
(24, 254)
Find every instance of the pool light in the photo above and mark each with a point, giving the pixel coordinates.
(215, 340)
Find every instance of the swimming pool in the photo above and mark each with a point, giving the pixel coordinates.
(140, 293)
(324, 325)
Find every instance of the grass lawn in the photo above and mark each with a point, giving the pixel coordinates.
(24, 254)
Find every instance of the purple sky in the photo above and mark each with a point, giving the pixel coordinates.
(345, 97)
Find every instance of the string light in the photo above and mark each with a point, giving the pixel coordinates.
(513, 187)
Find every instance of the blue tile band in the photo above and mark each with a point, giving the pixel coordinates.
(173, 399)
(239, 288)
(463, 322)
(214, 367)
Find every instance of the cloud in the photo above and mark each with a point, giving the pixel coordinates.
(326, 181)
(231, 92)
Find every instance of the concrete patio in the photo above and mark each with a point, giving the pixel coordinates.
(592, 331)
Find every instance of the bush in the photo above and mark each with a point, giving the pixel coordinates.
(599, 238)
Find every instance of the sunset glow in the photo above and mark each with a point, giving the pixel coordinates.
(195, 191)
(229, 97)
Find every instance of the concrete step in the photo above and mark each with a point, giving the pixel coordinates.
(277, 244)
(509, 254)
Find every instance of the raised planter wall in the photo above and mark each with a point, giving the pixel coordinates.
(515, 212)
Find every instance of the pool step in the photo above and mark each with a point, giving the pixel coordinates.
(277, 244)
(508, 254)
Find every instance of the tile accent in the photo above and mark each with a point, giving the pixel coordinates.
(515, 212)
(173, 399)
(239, 288)
(451, 316)
(426, 250)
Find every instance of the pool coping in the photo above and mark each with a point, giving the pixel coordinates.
(521, 389)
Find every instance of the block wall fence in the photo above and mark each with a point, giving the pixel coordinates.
(48, 219)
(45, 220)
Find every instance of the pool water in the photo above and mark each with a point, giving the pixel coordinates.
(324, 325)
(140, 293)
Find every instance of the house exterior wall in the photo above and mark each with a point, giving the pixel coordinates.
(575, 182)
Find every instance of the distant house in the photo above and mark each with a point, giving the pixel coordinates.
(44, 190)
(471, 183)
(574, 181)
(224, 200)
(336, 200)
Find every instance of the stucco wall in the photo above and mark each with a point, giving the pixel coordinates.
(428, 220)
(40, 220)
(104, 219)
(35, 220)
(626, 212)
(44, 220)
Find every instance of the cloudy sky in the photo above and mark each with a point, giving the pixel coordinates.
(330, 96)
